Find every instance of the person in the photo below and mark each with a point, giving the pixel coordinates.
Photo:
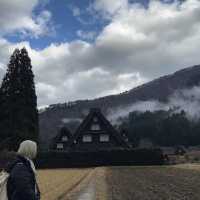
(22, 184)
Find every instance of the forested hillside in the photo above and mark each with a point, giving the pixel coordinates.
(71, 113)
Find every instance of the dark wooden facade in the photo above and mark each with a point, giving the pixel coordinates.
(62, 140)
(94, 133)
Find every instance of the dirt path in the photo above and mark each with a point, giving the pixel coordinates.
(139, 183)
(93, 187)
(88, 193)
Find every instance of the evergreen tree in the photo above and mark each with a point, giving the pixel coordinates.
(1, 114)
(19, 101)
(163, 128)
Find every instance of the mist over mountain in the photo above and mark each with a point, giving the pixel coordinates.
(179, 90)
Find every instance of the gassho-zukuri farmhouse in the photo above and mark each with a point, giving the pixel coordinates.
(95, 133)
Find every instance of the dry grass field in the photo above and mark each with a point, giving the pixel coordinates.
(55, 184)
(180, 182)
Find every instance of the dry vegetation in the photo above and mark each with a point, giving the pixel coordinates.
(54, 184)
(180, 182)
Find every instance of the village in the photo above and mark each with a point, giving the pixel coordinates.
(95, 133)
(99, 100)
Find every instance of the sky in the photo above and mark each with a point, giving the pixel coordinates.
(84, 49)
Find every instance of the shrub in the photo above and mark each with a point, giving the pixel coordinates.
(100, 158)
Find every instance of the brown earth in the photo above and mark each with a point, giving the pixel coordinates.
(153, 183)
(181, 182)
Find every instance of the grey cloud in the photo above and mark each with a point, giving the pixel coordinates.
(136, 42)
(187, 100)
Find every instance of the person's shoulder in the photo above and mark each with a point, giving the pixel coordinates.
(18, 162)
(20, 170)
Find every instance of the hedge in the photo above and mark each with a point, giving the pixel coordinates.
(53, 159)
(100, 158)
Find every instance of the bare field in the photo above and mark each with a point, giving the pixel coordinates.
(189, 166)
(153, 183)
(54, 184)
(179, 182)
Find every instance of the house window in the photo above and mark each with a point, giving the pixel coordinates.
(64, 138)
(104, 138)
(59, 146)
(95, 127)
(87, 138)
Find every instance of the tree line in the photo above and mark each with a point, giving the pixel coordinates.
(162, 128)
(18, 102)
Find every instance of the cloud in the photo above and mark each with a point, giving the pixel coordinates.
(62, 75)
(76, 11)
(186, 99)
(18, 16)
(137, 45)
(108, 9)
(168, 31)
(141, 106)
(86, 35)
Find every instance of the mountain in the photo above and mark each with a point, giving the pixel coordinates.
(71, 113)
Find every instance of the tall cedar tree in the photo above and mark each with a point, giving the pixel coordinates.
(19, 117)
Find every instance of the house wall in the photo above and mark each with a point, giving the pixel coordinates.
(60, 141)
(96, 143)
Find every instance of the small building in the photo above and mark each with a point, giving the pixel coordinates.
(62, 140)
(93, 134)
(180, 150)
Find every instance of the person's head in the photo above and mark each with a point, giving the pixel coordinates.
(28, 149)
